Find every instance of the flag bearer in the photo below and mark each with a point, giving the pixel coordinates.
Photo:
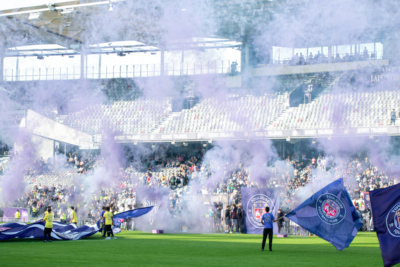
(49, 224)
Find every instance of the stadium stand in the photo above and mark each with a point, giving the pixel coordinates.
(235, 114)
(352, 109)
(4, 164)
(63, 177)
(127, 117)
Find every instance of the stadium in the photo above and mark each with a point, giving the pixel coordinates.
(195, 133)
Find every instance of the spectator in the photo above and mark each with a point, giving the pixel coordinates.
(393, 117)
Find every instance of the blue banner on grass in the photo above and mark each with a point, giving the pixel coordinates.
(329, 214)
(254, 201)
(385, 204)
(118, 218)
(60, 230)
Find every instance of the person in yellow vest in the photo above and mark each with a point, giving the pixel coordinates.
(108, 221)
(34, 212)
(63, 218)
(17, 216)
(74, 219)
(49, 224)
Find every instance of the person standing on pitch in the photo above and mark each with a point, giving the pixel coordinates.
(267, 219)
(227, 219)
(63, 217)
(240, 225)
(108, 218)
(17, 216)
(74, 219)
(103, 225)
(49, 224)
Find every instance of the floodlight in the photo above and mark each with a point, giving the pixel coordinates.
(40, 57)
(67, 11)
(111, 7)
(154, 53)
(121, 54)
(51, 7)
(35, 15)
(71, 56)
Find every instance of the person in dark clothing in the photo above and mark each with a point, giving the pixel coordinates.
(103, 224)
(234, 218)
(217, 218)
(393, 117)
(227, 217)
(267, 220)
(280, 220)
(240, 223)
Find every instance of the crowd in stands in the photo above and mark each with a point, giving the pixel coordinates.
(3, 148)
(190, 174)
(320, 58)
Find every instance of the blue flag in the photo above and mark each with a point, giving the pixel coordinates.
(329, 214)
(254, 201)
(117, 218)
(385, 205)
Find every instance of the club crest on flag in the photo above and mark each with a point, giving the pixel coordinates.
(393, 221)
(330, 209)
(4, 229)
(256, 208)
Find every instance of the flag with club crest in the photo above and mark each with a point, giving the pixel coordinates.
(329, 214)
(385, 205)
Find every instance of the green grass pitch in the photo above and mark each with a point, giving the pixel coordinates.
(146, 249)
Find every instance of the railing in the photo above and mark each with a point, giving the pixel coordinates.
(122, 71)
(321, 59)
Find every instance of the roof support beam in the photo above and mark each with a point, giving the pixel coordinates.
(2, 52)
(30, 34)
(82, 76)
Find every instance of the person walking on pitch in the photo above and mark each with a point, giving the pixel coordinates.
(49, 224)
(267, 219)
(74, 219)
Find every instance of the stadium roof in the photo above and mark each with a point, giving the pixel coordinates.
(63, 27)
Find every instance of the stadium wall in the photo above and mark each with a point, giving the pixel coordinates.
(44, 147)
(42, 126)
